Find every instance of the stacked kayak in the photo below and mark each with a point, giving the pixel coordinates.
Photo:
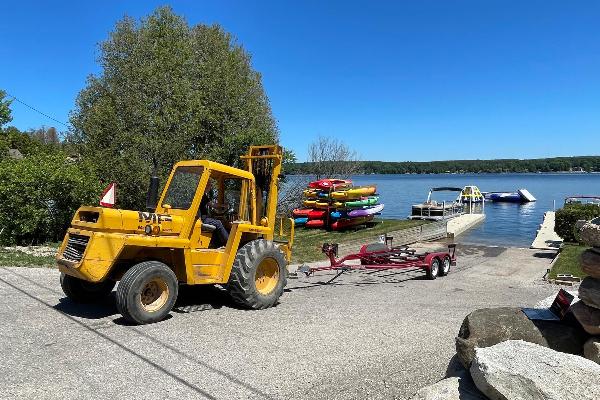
(337, 204)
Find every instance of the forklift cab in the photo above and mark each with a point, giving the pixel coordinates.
(225, 203)
(229, 193)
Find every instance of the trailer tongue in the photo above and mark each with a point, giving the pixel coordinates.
(385, 256)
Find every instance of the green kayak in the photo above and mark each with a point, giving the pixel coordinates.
(367, 201)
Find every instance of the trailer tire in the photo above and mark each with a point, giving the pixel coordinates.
(81, 291)
(445, 266)
(258, 275)
(147, 292)
(434, 269)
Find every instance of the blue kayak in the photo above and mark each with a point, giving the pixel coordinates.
(300, 221)
(338, 214)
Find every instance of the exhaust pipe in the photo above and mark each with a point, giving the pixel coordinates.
(152, 195)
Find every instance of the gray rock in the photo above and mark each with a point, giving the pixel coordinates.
(591, 349)
(520, 370)
(453, 388)
(590, 262)
(588, 317)
(489, 326)
(589, 292)
(590, 233)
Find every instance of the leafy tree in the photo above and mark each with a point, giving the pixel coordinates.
(5, 113)
(39, 195)
(168, 91)
(46, 135)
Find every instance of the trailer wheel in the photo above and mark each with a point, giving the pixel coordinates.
(82, 291)
(434, 269)
(147, 292)
(258, 275)
(445, 267)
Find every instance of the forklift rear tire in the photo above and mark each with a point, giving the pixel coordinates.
(434, 269)
(82, 291)
(147, 292)
(258, 275)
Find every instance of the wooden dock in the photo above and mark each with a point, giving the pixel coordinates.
(462, 223)
(546, 238)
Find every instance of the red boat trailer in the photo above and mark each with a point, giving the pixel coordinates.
(384, 256)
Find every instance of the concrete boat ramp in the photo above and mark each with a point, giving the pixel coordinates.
(369, 335)
(462, 223)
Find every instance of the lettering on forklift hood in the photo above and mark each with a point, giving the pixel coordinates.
(153, 218)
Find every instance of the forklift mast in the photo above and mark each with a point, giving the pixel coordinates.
(264, 162)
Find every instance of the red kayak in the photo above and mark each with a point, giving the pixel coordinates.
(343, 223)
(315, 223)
(329, 183)
(317, 214)
(302, 212)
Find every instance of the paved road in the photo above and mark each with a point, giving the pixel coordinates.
(376, 335)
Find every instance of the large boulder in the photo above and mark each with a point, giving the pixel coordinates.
(590, 233)
(453, 388)
(590, 262)
(489, 326)
(591, 349)
(520, 370)
(588, 317)
(589, 292)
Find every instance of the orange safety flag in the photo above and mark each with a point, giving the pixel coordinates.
(108, 196)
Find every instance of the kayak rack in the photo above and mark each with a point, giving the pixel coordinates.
(385, 256)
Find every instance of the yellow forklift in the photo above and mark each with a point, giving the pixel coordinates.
(151, 253)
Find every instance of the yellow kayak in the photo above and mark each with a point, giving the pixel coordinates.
(354, 193)
(309, 203)
(321, 204)
(310, 193)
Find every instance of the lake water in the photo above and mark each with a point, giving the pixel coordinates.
(506, 224)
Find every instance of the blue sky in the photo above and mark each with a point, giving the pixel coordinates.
(418, 80)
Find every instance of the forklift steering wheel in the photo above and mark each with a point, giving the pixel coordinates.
(220, 209)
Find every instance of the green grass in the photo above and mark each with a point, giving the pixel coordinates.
(16, 258)
(12, 257)
(568, 261)
(308, 242)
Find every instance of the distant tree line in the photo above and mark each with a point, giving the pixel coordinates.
(555, 164)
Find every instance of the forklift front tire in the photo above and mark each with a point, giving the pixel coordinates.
(147, 292)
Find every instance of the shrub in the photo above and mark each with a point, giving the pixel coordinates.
(567, 216)
(39, 195)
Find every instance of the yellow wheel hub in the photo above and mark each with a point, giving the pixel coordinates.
(267, 276)
(154, 295)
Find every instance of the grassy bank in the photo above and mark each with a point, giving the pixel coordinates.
(308, 242)
(37, 256)
(568, 261)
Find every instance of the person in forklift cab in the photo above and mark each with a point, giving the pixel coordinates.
(220, 234)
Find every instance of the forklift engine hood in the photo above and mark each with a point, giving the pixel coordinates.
(126, 221)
